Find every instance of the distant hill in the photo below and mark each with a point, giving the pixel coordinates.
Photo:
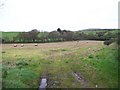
(98, 29)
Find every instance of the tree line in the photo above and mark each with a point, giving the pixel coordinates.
(35, 36)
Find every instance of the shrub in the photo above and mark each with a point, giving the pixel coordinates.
(108, 42)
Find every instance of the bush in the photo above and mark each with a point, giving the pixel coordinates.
(108, 42)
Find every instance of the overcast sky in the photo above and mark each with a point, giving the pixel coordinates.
(48, 15)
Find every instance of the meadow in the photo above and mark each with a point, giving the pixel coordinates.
(22, 67)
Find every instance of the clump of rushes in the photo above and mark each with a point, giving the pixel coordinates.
(90, 56)
(66, 62)
(3, 52)
(5, 73)
(21, 64)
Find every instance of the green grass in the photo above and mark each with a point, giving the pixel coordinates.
(10, 35)
(89, 32)
(23, 67)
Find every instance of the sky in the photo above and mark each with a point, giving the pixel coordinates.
(48, 15)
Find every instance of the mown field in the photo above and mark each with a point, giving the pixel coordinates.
(97, 63)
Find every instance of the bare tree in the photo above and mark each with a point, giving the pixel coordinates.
(54, 35)
(34, 34)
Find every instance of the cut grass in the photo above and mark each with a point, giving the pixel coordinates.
(98, 65)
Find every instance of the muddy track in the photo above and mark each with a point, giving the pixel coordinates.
(43, 82)
(78, 76)
(47, 82)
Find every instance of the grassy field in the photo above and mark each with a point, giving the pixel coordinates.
(11, 35)
(97, 63)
